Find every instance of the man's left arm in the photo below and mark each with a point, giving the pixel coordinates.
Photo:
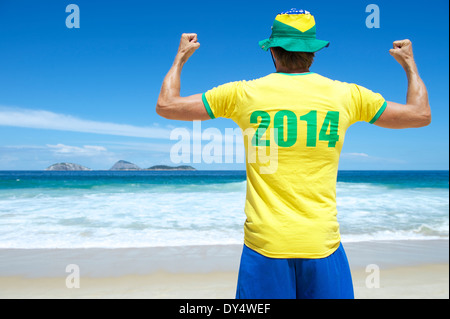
(416, 112)
(170, 104)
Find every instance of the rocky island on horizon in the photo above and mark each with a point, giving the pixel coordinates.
(128, 166)
(173, 168)
(124, 166)
(67, 167)
(119, 166)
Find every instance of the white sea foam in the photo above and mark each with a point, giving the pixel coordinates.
(210, 214)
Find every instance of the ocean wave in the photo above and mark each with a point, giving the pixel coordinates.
(133, 214)
(422, 233)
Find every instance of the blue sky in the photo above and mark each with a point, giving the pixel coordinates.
(88, 95)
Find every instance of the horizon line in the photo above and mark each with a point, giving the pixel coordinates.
(242, 170)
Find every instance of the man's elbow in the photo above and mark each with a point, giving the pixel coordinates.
(424, 119)
(163, 109)
(160, 111)
(427, 120)
(426, 116)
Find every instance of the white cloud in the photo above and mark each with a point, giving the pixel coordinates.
(86, 150)
(140, 147)
(41, 119)
(364, 155)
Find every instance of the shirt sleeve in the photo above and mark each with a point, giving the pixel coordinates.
(366, 105)
(223, 100)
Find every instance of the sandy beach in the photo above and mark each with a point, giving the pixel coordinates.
(381, 270)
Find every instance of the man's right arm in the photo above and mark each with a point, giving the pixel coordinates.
(416, 112)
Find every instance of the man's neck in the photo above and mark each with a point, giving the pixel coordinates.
(285, 70)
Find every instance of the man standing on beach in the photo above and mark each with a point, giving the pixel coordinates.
(292, 246)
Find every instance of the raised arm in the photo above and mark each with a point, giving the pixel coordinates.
(416, 112)
(170, 104)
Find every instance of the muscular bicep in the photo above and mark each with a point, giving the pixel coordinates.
(398, 116)
(187, 108)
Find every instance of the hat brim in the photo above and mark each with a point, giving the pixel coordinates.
(294, 44)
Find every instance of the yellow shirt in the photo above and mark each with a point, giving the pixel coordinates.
(294, 127)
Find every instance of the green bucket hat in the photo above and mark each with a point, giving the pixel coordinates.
(294, 30)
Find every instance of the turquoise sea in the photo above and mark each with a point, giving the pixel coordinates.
(111, 209)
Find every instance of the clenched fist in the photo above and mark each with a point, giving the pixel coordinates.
(188, 45)
(403, 53)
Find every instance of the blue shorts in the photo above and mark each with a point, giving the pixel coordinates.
(262, 277)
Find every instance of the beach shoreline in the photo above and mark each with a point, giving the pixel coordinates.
(405, 269)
